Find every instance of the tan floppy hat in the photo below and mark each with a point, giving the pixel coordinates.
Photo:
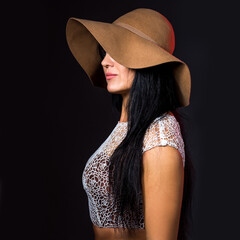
(138, 39)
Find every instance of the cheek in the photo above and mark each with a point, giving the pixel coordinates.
(126, 77)
(131, 76)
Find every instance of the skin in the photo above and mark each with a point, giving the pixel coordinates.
(162, 182)
(162, 177)
(121, 84)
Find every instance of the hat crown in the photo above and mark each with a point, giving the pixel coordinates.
(151, 24)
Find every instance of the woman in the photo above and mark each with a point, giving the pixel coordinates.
(138, 182)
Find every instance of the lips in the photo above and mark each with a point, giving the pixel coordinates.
(110, 75)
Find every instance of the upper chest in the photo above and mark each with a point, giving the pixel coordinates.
(95, 173)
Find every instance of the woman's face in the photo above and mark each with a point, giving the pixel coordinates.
(121, 81)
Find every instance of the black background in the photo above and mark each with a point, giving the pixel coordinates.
(52, 119)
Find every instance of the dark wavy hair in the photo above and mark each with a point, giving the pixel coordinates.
(153, 93)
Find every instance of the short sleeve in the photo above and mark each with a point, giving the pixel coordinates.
(164, 131)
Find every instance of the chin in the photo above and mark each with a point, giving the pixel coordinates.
(114, 90)
(111, 88)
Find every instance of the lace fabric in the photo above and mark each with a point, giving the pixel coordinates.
(161, 132)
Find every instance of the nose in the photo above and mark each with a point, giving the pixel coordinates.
(107, 61)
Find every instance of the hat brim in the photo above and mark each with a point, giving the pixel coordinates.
(124, 46)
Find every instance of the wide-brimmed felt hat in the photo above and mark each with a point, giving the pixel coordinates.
(138, 39)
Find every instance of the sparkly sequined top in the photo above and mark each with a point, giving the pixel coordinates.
(164, 130)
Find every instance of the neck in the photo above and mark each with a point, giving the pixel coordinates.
(123, 117)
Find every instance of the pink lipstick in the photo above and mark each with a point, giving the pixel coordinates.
(110, 75)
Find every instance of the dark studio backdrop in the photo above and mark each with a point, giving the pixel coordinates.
(52, 119)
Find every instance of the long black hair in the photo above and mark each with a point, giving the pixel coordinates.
(153, 93)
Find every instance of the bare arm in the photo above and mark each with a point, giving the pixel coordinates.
(162, 182)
